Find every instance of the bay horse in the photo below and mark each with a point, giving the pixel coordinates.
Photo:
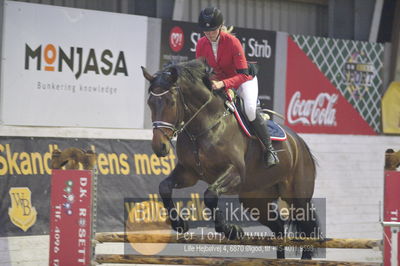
(211, 147)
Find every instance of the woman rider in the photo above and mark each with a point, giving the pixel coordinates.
(224, 53)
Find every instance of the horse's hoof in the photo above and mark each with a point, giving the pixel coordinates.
(280, 252)
(220, 228)
(306, 255)
(233, 232)
(180, 226)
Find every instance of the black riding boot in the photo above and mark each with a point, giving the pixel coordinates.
(270, 156)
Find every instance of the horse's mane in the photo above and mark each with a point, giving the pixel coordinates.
(191, 72)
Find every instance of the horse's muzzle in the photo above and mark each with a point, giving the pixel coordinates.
(163, 151)
(160, 144)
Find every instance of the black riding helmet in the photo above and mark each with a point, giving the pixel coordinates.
(210, 19)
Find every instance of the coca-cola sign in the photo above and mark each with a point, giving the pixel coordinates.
(318, 111)
(313, 103)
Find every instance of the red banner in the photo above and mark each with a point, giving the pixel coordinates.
(70, 218)
(313, 103)
(391, 214)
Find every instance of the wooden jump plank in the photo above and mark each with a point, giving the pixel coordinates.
(247, 240)
(182, 260)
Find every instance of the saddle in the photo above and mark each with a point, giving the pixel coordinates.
(236, 105)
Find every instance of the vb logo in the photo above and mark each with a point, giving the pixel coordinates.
(22, 213)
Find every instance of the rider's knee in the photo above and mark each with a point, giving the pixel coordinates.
(251, 112)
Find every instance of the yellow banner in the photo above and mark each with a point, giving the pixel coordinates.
(391, 109)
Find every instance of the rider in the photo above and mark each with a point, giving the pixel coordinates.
(224, 53)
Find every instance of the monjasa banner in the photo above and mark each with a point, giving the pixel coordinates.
(126, 169)
(74, 57)
(179, 40)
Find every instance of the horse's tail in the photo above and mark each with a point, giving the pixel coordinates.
(310, 227)
(300, 141)
(312, 157)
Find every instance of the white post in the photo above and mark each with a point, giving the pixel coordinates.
(394, 246)
(394, 243)
(376, 18)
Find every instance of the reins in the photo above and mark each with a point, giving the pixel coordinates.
(181, 125)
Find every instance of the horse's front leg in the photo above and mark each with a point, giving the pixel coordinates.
(228, 182)
(179, 178)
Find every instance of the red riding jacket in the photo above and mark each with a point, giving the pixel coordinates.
(231, 64)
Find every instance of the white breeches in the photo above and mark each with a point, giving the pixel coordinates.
(248, 91)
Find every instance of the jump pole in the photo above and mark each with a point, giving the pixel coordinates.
(246, 240)
(237, 261)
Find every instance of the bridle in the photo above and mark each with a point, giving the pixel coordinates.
(180, 124)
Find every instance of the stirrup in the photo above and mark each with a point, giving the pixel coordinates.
(270, 158)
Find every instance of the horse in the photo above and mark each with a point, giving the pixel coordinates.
(211, 147)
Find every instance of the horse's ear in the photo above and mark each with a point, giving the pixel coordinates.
(174, 75)
(146, 74)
